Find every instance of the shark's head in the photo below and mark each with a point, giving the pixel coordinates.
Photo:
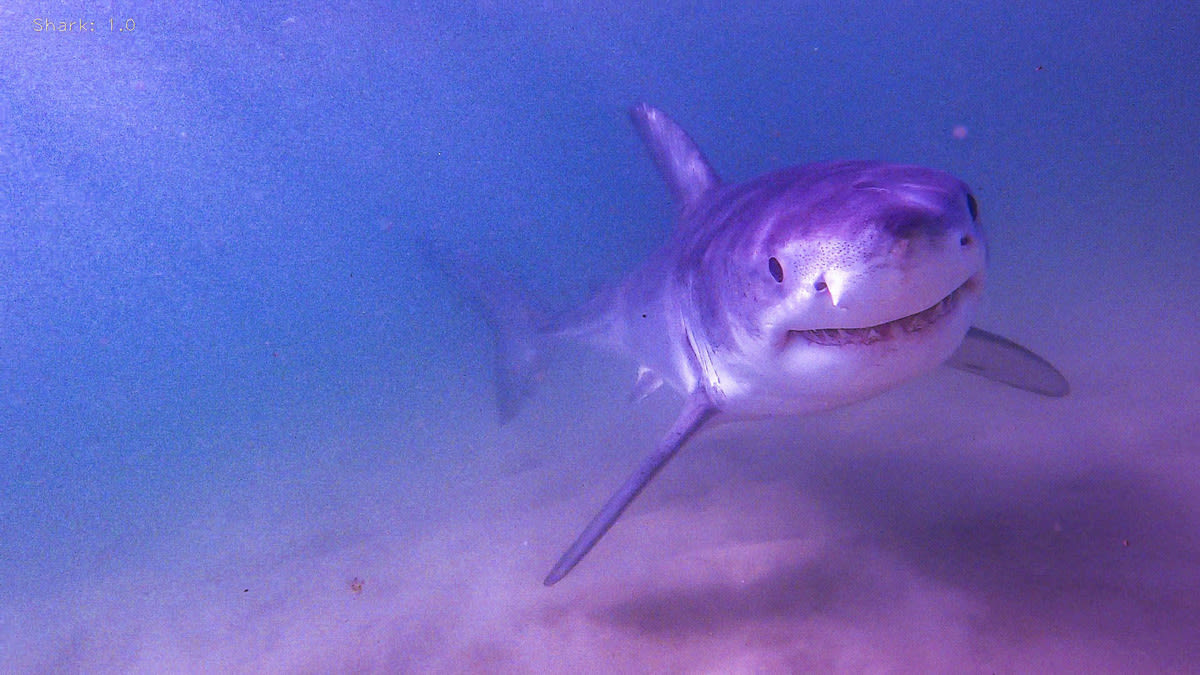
(834, 282)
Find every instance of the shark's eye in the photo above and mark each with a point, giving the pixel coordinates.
(776, 269)
(973, 207)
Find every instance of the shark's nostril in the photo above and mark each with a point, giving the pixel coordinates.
(966, 240)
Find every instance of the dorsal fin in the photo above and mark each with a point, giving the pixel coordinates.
(687, 172)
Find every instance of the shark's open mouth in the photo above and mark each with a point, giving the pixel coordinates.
(912, 323)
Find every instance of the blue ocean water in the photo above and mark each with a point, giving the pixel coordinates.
(246, 427)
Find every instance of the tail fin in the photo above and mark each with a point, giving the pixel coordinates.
(518, 326)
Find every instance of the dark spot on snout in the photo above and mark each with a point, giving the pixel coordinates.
(973, 207)
(776, 269)
(910, 223)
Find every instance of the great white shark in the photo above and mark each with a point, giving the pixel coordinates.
(799, 291)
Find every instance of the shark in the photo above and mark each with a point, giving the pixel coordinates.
(798, 291)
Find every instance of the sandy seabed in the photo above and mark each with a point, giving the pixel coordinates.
(950, 526)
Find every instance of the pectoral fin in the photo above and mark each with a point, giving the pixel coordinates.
(647, 383)
(697, 410)
(1000, 359)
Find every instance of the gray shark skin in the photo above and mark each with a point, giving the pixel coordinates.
(798, 291)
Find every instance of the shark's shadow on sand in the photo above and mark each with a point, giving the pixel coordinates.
(1110, 554)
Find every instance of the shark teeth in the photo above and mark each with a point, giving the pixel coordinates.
(912, 323)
